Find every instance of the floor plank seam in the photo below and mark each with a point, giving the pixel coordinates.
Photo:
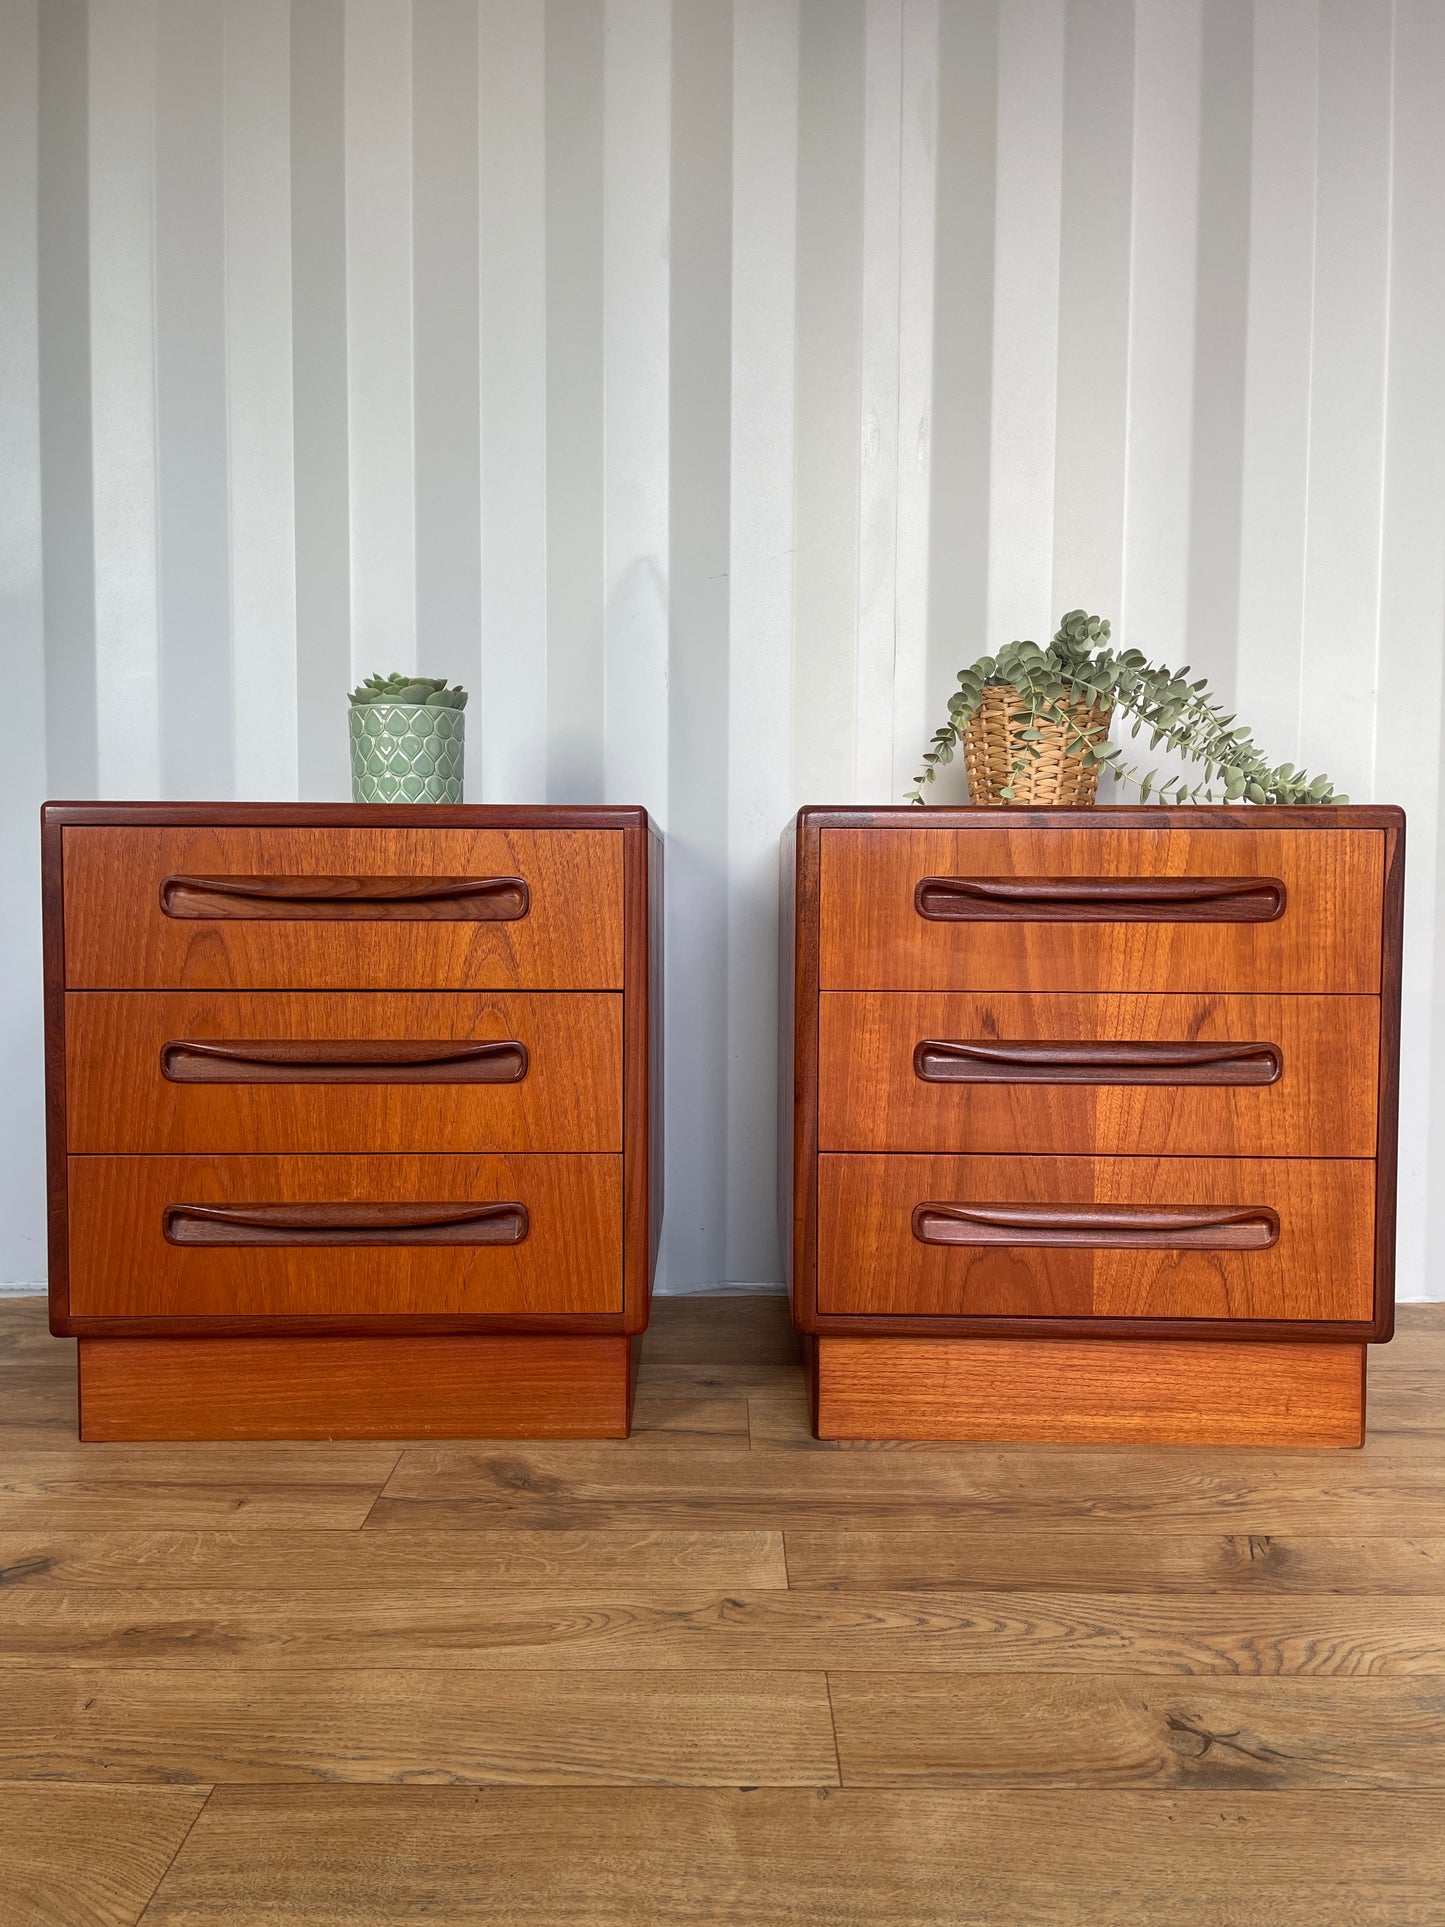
(833, 1724)
(180, 1849)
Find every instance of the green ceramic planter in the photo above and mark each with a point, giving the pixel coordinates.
(406, 753)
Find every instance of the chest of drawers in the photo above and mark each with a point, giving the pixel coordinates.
(350, 1116)
(1091, 1131)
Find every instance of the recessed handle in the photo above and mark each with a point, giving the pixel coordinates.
(1103, 1227)
(345, 1224)
(1011, 899)
(366, 1060)
(348, 899)
(987, 1060)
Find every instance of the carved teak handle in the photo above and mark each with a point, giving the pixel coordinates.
(1105, 1227)
(984, 1060)
(1122, 899)
(345, 1224)
(367, 1060)
(348, 899)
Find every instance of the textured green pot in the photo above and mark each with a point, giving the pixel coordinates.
(406, 753)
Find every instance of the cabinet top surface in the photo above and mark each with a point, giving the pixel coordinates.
(1104, 816)
(428, 816)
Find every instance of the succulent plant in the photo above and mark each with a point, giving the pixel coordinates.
(1080, 666)
(430, 692)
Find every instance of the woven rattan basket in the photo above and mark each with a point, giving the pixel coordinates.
(992, 745)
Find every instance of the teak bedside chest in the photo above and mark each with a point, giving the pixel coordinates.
(352, 1116)
(1093, 1119)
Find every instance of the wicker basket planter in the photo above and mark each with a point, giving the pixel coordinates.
(993, 744)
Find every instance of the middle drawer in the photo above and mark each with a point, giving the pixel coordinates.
(218, 1071)
(1212, 1075)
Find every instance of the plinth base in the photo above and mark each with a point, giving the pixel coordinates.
(1089, 1391)
(472, 1386)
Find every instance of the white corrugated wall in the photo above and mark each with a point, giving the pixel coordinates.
(701, 382)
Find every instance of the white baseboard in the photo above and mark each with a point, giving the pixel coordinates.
(766, 1290)
(22, 1291)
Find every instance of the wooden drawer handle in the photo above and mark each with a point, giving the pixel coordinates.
(348, 899)
(345, 1224)
(1100, 899)
(366, 1060)
(1105, 1227)
(977, 1060)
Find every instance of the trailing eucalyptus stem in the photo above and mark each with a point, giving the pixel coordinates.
(1077, 672)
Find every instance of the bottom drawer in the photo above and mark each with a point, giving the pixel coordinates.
(1013, 1237)
(329, 1235)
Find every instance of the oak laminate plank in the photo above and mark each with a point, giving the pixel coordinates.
(584, 1857)
(88, 1856)
(690, 1630)
(347, 1562)
(1390, 1495)
(230, 1725)
(720, 1328)
(678, 1421)
(720, 1342)
(259, 1486)
(1233, 1735)
(1112, 1561)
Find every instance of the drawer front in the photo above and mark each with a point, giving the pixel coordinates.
(320, 1236)
(1066, 1073)
(275, 1070)
(327, 909)
(1109, 909)
(1237, 1238)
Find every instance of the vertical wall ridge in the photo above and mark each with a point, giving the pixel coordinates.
(703, 383)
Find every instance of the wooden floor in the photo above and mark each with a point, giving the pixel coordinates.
(720, 1673)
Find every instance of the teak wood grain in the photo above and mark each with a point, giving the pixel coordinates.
(507, 1385)
(117, 935)
(123, 1266)
(1320, 1103)
(120, 1099)
(805, 918)
(1116, 1391)
(1327, 937)
(590, 883)
(871, 1262)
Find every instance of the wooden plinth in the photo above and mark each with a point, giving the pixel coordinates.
(1095, 1391)
(469, 1386)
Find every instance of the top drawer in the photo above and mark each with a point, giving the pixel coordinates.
(1106, 909)
(344, 909)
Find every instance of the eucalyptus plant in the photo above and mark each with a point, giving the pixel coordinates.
(430, 692)
(1080, 667)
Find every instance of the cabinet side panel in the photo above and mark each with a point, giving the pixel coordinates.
(798, 1034)
(52, 886)
(1387, 1127)
(642, 1115)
